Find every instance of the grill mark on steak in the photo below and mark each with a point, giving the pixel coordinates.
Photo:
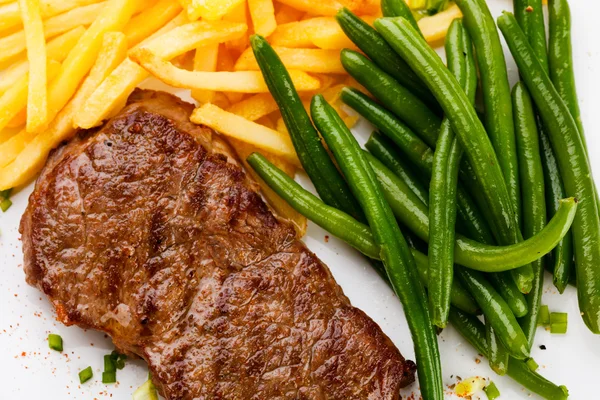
(147, 229)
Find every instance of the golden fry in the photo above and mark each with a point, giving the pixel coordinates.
(238, 81)
(205, 59)
(234, 126)
(37, 100)
(239, 14)
(57, 49)
(210, 10)
(254, 107)
(287, 14)
(15, 98)
(81, 59)
(263, 16)
(33, 152)
(121, 82)
(148, 21)
(309, 60)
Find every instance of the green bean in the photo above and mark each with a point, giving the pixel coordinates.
(399, 8)
(478, 149)
(530, 16)
(473, 330)
(345, 227)
(396, 256)
(487, 258)
(532, 23)
(496, 312)
(413, 147)
(313, 156)
(372, 44)
(356, 234)
(444, 181)
(534, 202)
(573, 164)
(560, 59)
(459, 296)
(418, 153)
(510, 293)
(562, 255)
(496, 94)
(384, 150)
(497, 354)
(396, 97)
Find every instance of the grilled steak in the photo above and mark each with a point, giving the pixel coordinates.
(147, 229)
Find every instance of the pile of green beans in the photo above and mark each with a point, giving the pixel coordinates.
(485, 223)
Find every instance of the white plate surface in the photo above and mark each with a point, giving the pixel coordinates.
(31, 371)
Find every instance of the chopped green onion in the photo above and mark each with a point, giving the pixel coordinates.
(109, 364)
(120, 363)
(85, 375)
(491, 391)
(558, 328)
(532, 364)
(558, 317)
(5, 194)
(146, 392)
(543, 316)
(5, 205)
(55, 342)
(416, 4)
(109, 377)
(115, 355)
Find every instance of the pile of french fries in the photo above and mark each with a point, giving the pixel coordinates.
(71, 64)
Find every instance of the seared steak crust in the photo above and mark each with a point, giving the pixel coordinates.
(148, 230)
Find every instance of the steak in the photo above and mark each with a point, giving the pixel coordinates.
(148, 229)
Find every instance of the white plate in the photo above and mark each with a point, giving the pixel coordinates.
(31, 371)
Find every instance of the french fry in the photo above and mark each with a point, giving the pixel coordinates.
(15, 98)
(57, 49)
(10, 15)
(33, 152)
(287, 14)
(263, 16)
(37, 100)
(234, 126)
(15, 43)
(211, 10)
(266, 121)
(281, 128)
(225, 62)
(321, 7)
(7, 133)
(321, 32)
(148, 21)
(238, 14)
(18, 120)
(434, 28)
(309, 60)
(80, 60)
(281, 207)
(292, 34)
(238, 81)
(121, 82)
(254, 107)
(205, 59)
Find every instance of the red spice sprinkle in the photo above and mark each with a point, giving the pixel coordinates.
(23, 354)
(326, 238)
(529, 9)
